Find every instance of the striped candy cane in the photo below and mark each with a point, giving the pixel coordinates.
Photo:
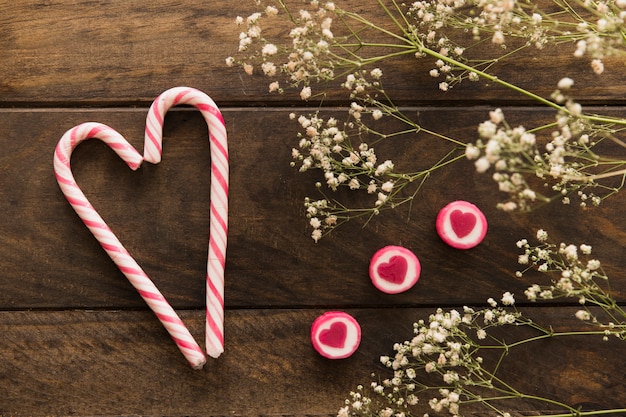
(219, 197)
(137, 277)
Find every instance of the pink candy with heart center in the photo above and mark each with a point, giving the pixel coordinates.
(394, 269)
(335, 335)
(461, 225)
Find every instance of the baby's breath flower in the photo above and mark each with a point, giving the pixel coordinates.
(305, 94)
(316, 50)
(583, 315)
(565, 83)
(507, 299)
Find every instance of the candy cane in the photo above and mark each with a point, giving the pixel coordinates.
(219, 197)
(137, 277)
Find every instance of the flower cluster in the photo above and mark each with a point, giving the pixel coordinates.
(577, 275)
(564, 161)
(324, 42)
(345, 152)
(448, 364)
(597, 29)
(306, 59)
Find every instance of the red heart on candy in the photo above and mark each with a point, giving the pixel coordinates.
(335, 336)
(393, 271)
(462, 223)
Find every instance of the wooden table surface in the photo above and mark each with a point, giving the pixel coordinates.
(76, 337)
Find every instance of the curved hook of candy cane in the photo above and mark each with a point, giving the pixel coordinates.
(109, 242)
(219, 196)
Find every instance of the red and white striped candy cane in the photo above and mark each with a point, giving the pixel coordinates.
(219, 196)
(137, 277)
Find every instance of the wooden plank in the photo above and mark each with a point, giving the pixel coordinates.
(48, 259)
(123, 362)
(127, 52)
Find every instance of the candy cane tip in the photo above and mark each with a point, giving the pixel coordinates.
(153, 159)
(198, 366)
(134, 165)
(214, 353)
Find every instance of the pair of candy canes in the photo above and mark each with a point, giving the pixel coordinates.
(218, 213)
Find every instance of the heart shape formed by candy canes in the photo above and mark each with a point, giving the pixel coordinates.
(218, 213)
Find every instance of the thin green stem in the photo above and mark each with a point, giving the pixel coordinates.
(585, 413)
(507, 346)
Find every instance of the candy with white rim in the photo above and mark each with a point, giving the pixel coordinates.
(335, 335)
(394, 269)
(461, 225)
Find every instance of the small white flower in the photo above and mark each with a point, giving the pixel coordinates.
(565, 83)
(498, 38)
(305, 94)
(507, 299)
(387, 186)
(593, 265)
(585, 249)
(570, 252)
(274, 86)
(253, 18)
(269, 49)
(344, 412)
(482, 165)
(542, 235)
(496, 116)
(597, 66)
(271, 11)
(382, 197)
(583, 315)
(471, 151)
(268, 68)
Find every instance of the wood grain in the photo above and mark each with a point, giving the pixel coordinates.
(116, 362)
(126, 52)
(50, 260)
(76, 337)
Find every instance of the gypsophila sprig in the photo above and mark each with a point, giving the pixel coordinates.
(576, 274)
(449, 364)
(345, 152)
(558, 158)
(325, 43)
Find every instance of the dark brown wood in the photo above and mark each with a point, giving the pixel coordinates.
(76, 337)
(161, 215)
(75, 52)
(116, 362)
